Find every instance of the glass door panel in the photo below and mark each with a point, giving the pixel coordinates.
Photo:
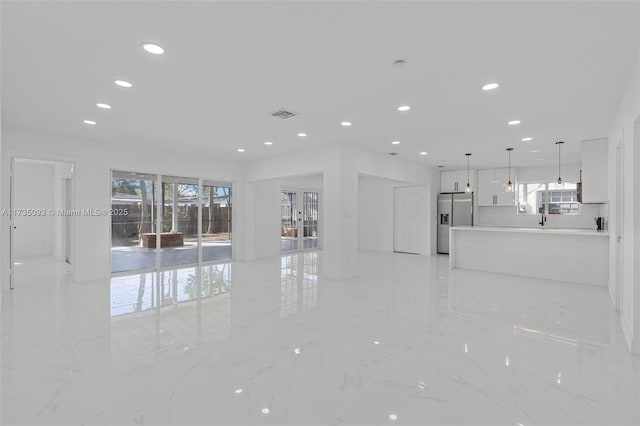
(179, 237)
(133, 198)
(216, 221)
(289, 220)
(309, 220)
(299, 220)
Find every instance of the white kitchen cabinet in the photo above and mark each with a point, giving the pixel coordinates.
(456, 180)
(492, 188)
(595, 171)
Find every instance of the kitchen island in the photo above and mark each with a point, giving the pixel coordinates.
(574, 255)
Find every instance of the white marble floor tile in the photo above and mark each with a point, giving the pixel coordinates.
(272, 342)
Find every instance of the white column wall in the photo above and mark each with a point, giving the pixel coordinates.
(375, 213)
(341, 215)
(623, 130)
(267, 220)
(93, 162)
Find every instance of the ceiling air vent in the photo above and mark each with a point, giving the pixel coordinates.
(283, 113)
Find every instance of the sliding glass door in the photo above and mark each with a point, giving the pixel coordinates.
(179, 237)
(216, 221)
(299, 224)
(160, 222)
(133, 201)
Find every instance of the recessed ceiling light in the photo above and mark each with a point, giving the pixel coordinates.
(526, 139)
(375, 342)
(123, 83)
(153, 48)
(268, 143)
(241, 150)
(393, 417)
(302, 135)
(535, 150)
(297, 351)
(513, 122)
(104, 106)
(346, 123)
(265, 411)
(424, 153)
(540, 159)
(404, 108)
(490, 86)
(395, 143)
(90, 122)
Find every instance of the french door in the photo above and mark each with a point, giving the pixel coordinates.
(299, 227)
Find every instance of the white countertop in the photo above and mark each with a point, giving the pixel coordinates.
(537, 230)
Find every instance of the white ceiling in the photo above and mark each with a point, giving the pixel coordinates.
(562, 67)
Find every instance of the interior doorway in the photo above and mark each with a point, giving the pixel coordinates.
(41, 219)
(299, 220)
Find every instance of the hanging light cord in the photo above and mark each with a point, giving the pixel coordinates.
(559, 161)
(559, 143)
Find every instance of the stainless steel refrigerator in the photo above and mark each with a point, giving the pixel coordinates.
(454, 209)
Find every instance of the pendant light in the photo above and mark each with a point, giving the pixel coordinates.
(467, 188)
(559, 181)
(509, 184)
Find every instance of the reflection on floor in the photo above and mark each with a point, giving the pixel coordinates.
(291, 243)
(140, 258)
(273, 342)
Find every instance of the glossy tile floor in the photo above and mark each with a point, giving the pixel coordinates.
(138, 258)
(272, 342)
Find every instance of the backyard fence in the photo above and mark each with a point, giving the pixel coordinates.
(125, 229)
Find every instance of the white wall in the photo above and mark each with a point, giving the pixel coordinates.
(375, 213)
(508, 216)
(34, 188)
(303, 182)
(93, 163)
(624, 131)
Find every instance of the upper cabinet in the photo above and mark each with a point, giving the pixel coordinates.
(492, 188)
(455, 181)
(595, 171)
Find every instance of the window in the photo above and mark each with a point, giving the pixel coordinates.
(548, 198)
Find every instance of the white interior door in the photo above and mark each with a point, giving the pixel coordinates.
(410, 220)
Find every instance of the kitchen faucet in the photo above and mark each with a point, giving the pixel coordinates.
(543, 219)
